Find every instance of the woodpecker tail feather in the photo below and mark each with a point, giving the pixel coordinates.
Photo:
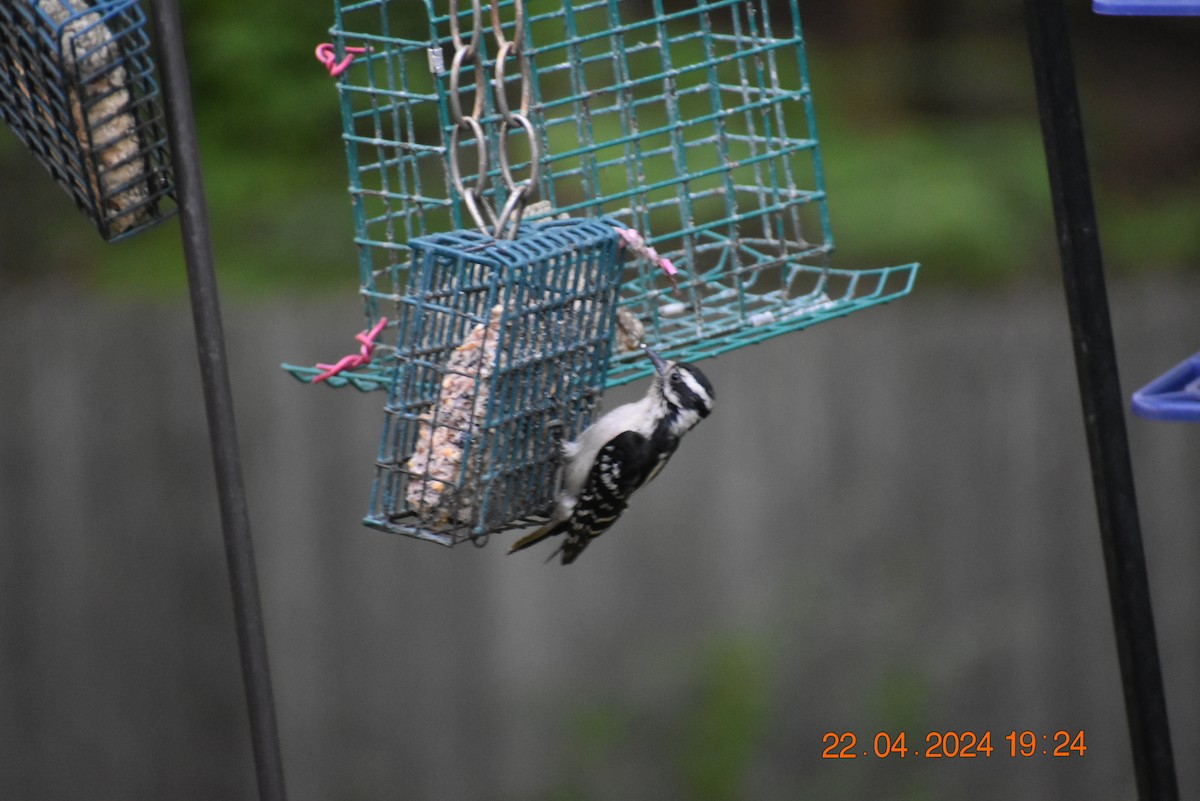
(570, 548)
(548, 530)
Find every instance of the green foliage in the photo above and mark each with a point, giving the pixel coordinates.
(597, 732)
(931, 151)
(722, 732)
(958, 198)
(900, 701)
(726, 687)
(1163, 232)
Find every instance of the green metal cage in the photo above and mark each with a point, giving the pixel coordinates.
(501, 351)
(77, 86)
(687, 128)
(692, 123)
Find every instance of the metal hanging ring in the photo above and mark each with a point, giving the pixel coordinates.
(476, 27)
(534, 166)
(505, 51)
(514, 209)
(453, 97)
(518, 37)
(518, 193)
(491, 223)
(469, 196)
(469, 200)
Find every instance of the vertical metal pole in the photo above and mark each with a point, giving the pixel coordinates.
(1103, 403)
(218, 400)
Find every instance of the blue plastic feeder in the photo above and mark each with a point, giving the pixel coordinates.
(1148, 8)
(1175, 395)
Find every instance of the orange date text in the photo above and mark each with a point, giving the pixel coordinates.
(953, 745)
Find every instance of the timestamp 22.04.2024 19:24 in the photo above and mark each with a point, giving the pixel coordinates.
(956, 745)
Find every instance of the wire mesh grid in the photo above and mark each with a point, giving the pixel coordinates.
(77, 86)
(671, 123)
(502, 349)
(693, 126)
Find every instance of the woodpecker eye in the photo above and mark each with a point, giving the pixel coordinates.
(676, 377)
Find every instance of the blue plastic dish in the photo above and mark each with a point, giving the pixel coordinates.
(1175, 395)
(1148, 8)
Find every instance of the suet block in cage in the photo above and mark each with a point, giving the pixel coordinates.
(501, 351)
(77, 86)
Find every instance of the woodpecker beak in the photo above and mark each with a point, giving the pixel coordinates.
(659, 364)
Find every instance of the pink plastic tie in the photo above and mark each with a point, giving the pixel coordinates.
(639, 247)
(354, 360)
(327, 56)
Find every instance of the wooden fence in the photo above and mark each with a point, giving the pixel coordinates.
(886, 526)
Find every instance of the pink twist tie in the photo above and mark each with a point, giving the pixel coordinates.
(354, 360)
(637, 244)
(327, 56)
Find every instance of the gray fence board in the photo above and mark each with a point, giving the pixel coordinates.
(887, 524)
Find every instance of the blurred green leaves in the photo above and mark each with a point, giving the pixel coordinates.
(931, 150)
(709, 737)
(960, 198)
(723, 731)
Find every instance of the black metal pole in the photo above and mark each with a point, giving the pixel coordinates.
(218, 399)
(1103, 402)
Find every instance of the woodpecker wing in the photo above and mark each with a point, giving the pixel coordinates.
(612, 479)
(604, 496)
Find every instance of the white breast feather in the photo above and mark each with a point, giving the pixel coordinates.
(638, 416)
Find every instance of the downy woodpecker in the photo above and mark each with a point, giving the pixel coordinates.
(620, 453)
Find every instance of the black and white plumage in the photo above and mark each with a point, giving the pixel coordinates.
(620, 453)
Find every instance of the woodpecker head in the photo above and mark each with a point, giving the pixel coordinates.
(684, 391)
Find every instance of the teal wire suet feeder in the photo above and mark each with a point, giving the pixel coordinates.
(504, 345)
(77, 86)
(692, 127)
